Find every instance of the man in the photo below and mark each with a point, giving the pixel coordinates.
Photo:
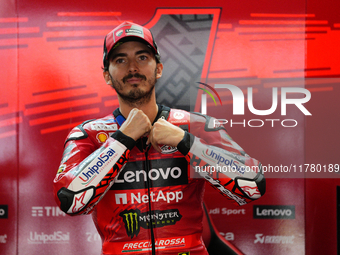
(141, 170)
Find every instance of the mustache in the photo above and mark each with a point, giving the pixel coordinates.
(136, 75)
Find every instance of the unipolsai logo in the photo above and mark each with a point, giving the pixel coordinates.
(43, 238)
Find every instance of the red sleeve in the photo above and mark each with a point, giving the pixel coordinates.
(87, 170)
(221, 161)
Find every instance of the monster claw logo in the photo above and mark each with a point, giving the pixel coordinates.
(135, 219)
(207, 91)
(130, 219)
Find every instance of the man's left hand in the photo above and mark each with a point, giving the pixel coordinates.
(165, 133)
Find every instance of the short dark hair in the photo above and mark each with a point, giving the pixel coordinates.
(128, 39)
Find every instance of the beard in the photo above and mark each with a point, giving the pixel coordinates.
(136, 96)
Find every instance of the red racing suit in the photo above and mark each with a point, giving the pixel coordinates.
(146, 202)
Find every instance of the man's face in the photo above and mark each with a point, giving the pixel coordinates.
(133, 72)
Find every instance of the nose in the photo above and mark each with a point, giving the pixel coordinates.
(133, 66)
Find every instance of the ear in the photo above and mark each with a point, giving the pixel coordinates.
(107, 78)
(159, 70)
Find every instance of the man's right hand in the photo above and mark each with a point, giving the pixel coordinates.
(136, 125)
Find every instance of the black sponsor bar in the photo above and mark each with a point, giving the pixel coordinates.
(274, 211)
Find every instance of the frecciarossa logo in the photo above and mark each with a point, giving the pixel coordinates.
(224, 160)
(161, 173)
(95, 168)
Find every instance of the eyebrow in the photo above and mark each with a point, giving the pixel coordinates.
(125, 55)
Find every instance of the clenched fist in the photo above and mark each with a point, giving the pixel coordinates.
(163, 132)
(136, 125)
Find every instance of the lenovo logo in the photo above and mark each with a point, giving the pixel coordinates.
(160, 173)
(274, 212)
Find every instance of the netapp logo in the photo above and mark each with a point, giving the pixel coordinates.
(3, 211)
(154, 197)
(274, 211)
(161, 173)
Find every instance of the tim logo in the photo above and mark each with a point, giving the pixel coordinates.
(204, 97)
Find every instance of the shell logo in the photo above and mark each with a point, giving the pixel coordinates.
(102, 137)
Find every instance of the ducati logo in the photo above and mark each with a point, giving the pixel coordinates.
(166, 149)
(119, 33)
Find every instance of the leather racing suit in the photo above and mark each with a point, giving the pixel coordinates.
(146, 202)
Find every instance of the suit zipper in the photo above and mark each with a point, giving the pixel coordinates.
(148, 184)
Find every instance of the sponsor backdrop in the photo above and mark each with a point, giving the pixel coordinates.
(282, 58)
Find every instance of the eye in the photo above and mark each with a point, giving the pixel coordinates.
(120, 60)
(143, 57)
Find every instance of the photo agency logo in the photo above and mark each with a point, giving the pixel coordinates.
(204, 97)
(238, 103)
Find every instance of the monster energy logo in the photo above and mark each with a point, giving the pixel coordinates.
(135, 219)
(130, 219)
